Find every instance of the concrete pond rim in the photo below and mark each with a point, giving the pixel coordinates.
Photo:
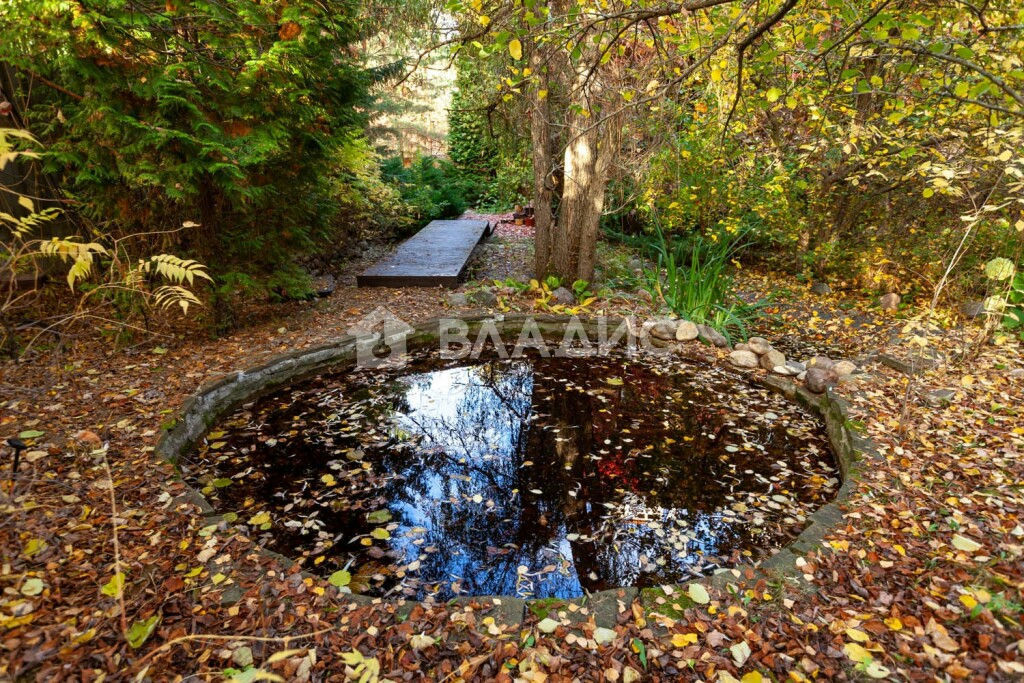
(217, 398)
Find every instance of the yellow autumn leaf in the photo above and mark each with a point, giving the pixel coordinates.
(894, 623)
(965, 544)
(684, 639)
(857, 636)
(515, 48)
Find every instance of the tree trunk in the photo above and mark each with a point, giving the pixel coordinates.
(543, 157)
(588, 156)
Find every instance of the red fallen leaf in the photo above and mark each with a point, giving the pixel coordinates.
(174, 583)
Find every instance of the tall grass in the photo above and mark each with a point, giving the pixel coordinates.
(692, 277)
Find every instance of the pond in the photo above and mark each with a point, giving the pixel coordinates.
(532, 477)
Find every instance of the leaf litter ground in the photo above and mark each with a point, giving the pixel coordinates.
(921, 580)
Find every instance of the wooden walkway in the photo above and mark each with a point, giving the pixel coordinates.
(436, 255)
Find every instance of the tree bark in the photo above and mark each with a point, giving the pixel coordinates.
(543, 157)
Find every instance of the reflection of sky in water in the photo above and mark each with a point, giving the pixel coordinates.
(473, 421)
(545, 465)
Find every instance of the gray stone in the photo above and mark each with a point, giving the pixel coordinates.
(802, 376)
(458, 299)
(772, 358)
(1017, 373)
(784, 370)
(796, 365)
(712, 336)
(484, 297)
(844, 368)
(759, 345)
(664, 329)
(822, 362)
(563, 296)
(940, 397)
(820, 379)
(743, 359)
(743, 346)
(911, 365)
(821, 288)
(686, 331)
(973, 309)
(231, 594)
(889, 302)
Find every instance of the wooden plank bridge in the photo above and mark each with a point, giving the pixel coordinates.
(436, 255)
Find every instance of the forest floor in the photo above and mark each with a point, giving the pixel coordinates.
(923, 579)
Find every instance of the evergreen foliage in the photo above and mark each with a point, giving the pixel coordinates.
(228, 114)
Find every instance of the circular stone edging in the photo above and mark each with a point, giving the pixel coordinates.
(216, 398)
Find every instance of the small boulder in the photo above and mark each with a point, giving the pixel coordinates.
(889, 302)
(821, 288)
(686, 331)
(784, 370)
(664, 329)
(712, 336)
(820, 379)
(844, 368)
(772, 358)
(973, 309)
(563, 296)
(823, 362)
(743, 346)
(796, 365)
(743, 359)
(759, 345)
(484, 297)
(940, 397)
(458, 299)
(802, 376)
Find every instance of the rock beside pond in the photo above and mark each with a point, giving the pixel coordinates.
(664, 329)
(821, 288)
(458, 299)
(822, 362)
(844, 368)
(484, 297)
(759, 345)
(889, 302)
(563, 296)
(712, 336)
(743, 359)
(686, 331)
(819, 379)
(772, 358)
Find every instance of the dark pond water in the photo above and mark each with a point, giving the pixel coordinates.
(542, 477)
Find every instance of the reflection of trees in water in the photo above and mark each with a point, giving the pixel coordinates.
(475, 448)
(437, 439)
